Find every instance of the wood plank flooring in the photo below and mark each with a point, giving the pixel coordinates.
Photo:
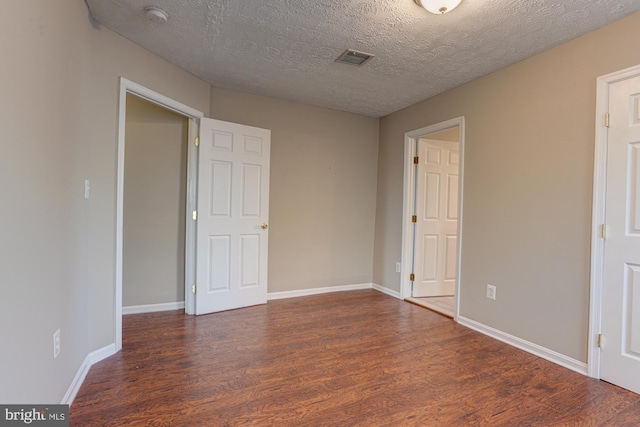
(442, 305)
(357, 358)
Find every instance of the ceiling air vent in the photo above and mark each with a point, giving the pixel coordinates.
(353, 57)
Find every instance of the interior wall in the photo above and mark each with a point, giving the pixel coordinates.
(43, 245)
(322, 189)
(529, 141)
(154, 204)
(58, 114)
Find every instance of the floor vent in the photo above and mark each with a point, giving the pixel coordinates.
(353, 57)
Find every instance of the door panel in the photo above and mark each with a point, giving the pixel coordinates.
(452, 198)
(634, 202)
(620, 357)
(432, 197)
(220, 184)
(233, 202)
(250, 265)
(437, 212)
(430, 258)
(251, 188)
(218, 261)
(632, 294)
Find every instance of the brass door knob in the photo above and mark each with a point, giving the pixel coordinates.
(264, 226)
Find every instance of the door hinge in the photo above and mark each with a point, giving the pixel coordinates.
(416, 160)
(599, 342)
(194, 215)
(603, 230)
(194, 289)
(607, 119)
(196, 142)
(412, 277)
(414, 218)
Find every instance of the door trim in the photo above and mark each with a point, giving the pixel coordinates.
(598, 213)
(408, 201)
(127, 86)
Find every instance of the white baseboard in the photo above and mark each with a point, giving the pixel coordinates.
(73, 389)
(151, 308)
(385, 290)
(93, 357)
(102, 353)
(316, 291)
(538, 350)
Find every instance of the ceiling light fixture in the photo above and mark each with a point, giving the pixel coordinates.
(438, 7)
(155, 14)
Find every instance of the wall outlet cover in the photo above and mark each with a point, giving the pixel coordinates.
(56, 343)
(491, 292)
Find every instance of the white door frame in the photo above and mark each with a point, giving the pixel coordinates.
(127, 86)
(408, 202)
(598, 214)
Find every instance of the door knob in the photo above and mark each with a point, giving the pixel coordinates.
(264, 226)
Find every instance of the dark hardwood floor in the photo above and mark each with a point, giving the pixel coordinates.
(356, 358)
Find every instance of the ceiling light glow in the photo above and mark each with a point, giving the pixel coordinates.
(438, 7)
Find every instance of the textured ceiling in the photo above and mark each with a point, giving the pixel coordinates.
(287, 48)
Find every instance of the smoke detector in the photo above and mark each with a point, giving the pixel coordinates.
(354, 57)
(155, 14)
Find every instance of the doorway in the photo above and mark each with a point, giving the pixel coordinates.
(432, 216)
(154, 208)
(193, 116)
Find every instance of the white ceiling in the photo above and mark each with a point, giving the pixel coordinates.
(287, 48)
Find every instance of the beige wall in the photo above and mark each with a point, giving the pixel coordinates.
(154, 204)
(527, 187)
(43, 253)
(322, 189)
(59, 82)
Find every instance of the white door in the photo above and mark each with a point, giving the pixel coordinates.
(620, 357)
(436, 233)
(233, 213)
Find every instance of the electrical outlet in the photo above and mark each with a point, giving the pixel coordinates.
(491, 292)
(398, 267)
(56, 343)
